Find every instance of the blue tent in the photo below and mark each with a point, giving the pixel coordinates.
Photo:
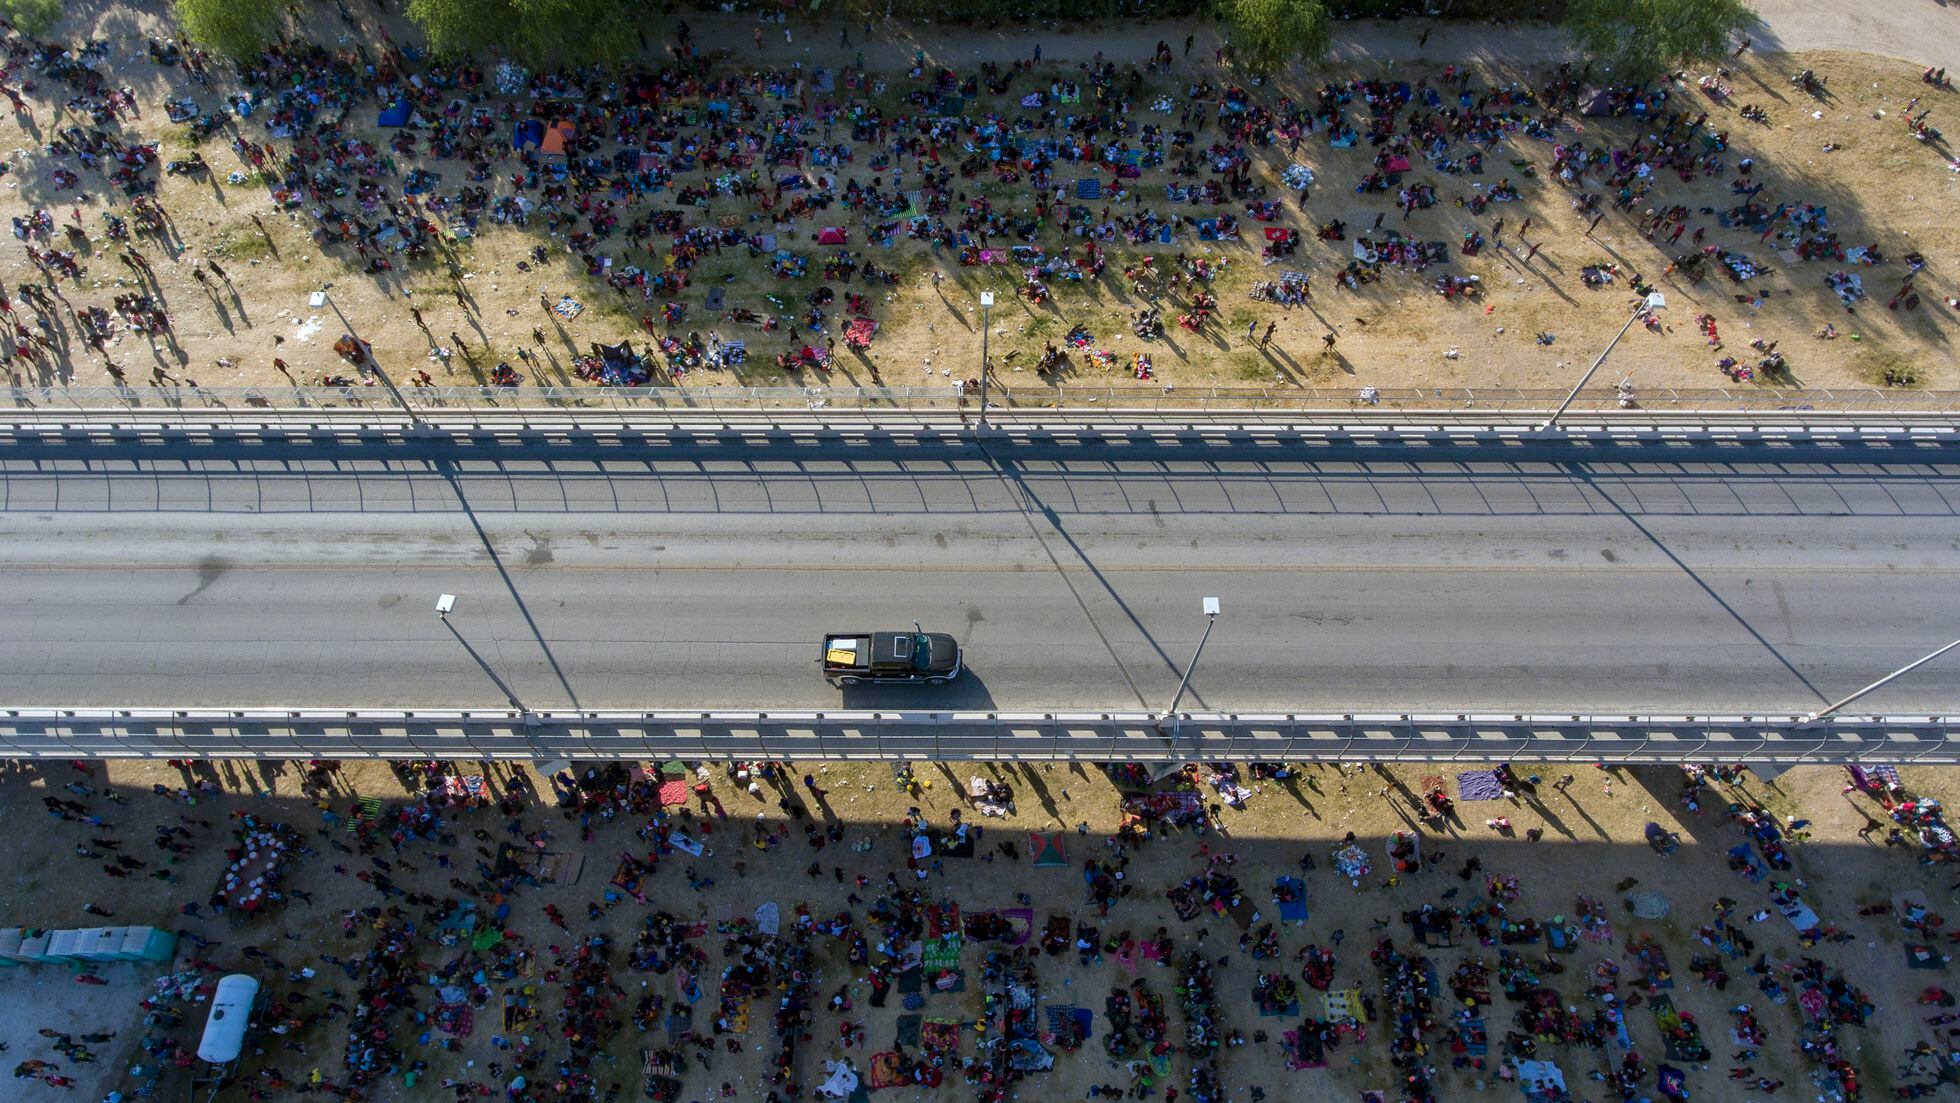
(527, 134)
(398, 115)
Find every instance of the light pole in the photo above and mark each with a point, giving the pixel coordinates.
(1211, 618)
(1654, 301)
(320, 298)
(1901, 672)
(986, 314)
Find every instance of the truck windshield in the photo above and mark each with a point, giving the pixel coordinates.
(921, 651)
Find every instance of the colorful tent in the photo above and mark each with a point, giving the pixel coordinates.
(557, 140)
(1046, 850)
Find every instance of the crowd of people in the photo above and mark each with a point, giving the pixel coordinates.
(644, 175)
(445, 939)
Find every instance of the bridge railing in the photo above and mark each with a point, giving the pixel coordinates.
(210, 401)
(1781, 740)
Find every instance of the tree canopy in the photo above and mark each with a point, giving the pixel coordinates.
(1642, 39)
(235, 28)
(1266, 34)
(33, 17)
(537, 32)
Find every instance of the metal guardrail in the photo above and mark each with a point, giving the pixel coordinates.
(986, 736)
(947, 398)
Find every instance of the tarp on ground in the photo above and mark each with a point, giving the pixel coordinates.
(1540, 1080)
(1649, 905)
(1920, 956)
(1047, 850)
(396, 114)
(1026, 1055)
(1294, 910)
(842, 1081)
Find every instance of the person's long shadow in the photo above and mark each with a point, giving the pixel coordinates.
(1401, 787)
(1291, 783)
(1583, 475)
(1590, 822)
(1041, 790)
(1551, 820)
(447, 468)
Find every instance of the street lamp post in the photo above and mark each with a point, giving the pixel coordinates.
(1654, 301)
(986, 314)
(1899, 673)
(1211, 618)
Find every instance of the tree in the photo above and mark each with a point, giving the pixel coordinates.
(236, 28)
(34, 17)
(536, 32)
(1266, 34)
(1642, 39)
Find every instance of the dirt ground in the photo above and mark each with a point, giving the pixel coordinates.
(1535, 325)
(1592, 843)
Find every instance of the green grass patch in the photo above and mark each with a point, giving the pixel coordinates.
(240, 245)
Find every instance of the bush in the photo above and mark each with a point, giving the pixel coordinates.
(235, 28)
(34, 18)
(1642, 39)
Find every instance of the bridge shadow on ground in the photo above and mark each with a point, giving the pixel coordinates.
(803, 837)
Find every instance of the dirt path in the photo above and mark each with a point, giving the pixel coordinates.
(1923, 31)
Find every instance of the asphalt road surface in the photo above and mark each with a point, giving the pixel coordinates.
(1353, 577)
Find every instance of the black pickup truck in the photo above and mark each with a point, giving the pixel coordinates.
(849, 658)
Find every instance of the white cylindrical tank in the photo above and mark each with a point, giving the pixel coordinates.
(224, 1028)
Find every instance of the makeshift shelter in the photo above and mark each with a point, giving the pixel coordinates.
(1596, 103)
(396, 115)
(620, 366)
(1046, 849)
(831, 235)
(526, 134)
(230, 1015)
(557, 142)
